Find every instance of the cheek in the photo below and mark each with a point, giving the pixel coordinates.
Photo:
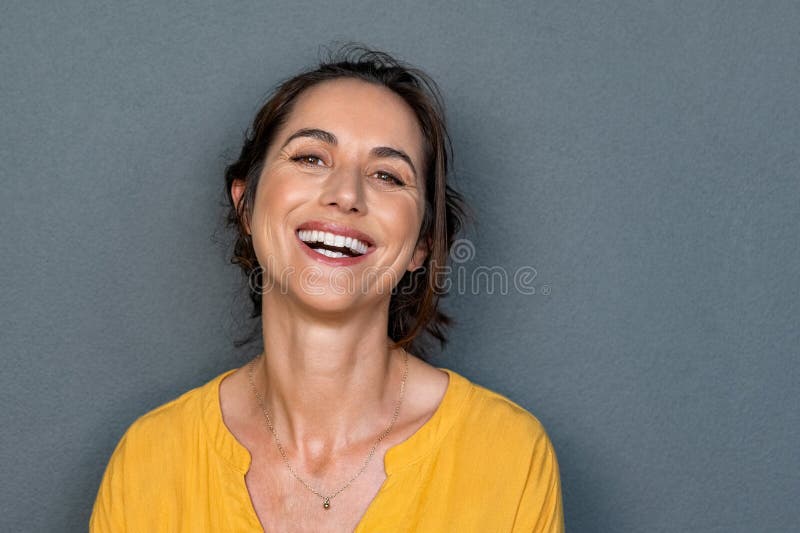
(275, 200)
(279, 193)
(404, 219)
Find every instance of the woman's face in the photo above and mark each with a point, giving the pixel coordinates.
(340, 200)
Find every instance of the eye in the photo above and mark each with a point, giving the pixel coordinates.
(389, 178)
(308, 159)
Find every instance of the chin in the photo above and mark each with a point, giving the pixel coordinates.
(324, 299)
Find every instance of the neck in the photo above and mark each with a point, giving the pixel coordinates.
(327, 382)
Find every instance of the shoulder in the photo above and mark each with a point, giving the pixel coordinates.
(506, 413)
(491, 409)
(148, 465)
(503, 452)
(494, 424)
(157, 433)
(169, 418)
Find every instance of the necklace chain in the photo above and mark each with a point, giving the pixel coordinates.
(326, 499)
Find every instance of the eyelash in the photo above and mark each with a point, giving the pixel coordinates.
(302, 159)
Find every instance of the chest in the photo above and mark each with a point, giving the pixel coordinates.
(284, 504)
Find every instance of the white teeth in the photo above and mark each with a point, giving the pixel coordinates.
(329, 253)
(331, 239)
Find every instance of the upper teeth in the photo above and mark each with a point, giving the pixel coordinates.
(331, 239)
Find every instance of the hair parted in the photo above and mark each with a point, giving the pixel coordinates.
(414, 305)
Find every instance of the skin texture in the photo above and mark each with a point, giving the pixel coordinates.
(329, 378)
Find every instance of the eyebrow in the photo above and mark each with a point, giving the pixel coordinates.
(329, 138)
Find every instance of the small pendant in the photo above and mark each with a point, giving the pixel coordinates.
(327, 503)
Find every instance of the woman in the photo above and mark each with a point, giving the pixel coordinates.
(344, 222)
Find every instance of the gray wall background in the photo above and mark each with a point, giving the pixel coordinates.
(642, 156)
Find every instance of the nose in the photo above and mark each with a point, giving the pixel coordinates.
(344, 189)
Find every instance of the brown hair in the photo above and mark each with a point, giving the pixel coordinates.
(414, 305)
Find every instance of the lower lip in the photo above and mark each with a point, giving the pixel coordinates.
(332, 261)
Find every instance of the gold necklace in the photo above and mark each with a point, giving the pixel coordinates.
(326, 500)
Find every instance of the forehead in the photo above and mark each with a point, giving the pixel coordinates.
(357, 111)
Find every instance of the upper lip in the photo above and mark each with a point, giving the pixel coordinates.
(338, 229)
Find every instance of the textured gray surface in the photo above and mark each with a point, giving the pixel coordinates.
(641, 156)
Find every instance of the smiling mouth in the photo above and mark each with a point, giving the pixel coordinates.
(331, 244)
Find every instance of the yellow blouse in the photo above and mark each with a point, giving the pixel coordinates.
(481, 463)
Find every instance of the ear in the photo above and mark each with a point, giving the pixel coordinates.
(418, 259)
(237, 192)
